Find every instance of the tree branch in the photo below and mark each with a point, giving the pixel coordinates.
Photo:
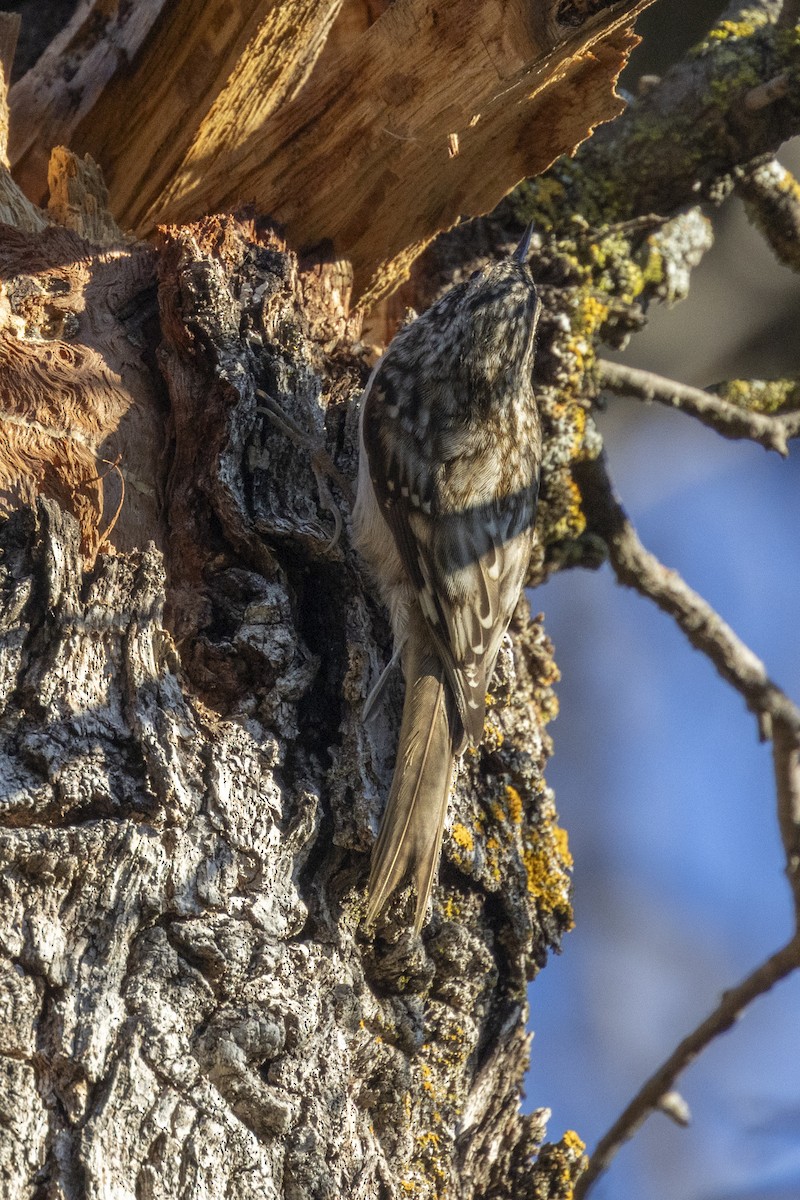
(786, 765)
(778, 717)
(648, 1098)
(771, 197)
(679, 143)
(637, 568)
(728, 419)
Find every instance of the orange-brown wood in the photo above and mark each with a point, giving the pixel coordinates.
(415, 114)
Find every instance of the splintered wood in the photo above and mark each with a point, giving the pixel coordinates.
(80, 416)
(362, 128)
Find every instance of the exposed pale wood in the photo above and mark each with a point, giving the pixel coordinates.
(79, 198)
(15, 208)
(79, 413)
(362, 154)
(212, 74)
(143, 87)
(9, 31)
(76, 396)
(69, 77)
(360, 158)
(353, 19)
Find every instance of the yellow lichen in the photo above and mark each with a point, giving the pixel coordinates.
(761, 395)
(573, 1142)
(493, 858)
(514, 802)
(572, 522)
(463, 838)
(735, 29)
(562, 844)
(591, 313)
(497, 811)
(578, 415)
(493, 735)
(547, 862)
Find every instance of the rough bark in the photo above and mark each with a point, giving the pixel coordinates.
(189, 793)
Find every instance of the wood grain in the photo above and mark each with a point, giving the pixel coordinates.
(99, 43)
(142, 86)
(361, 158)
(415, 114)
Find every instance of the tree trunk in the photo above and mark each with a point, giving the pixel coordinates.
(189, 792)
(190, 1004)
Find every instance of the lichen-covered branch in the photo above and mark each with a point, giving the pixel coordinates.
(681, 141)
(732, 420)
(772, 201)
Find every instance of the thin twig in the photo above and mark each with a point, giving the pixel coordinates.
(637, 568)
(772, 431)
(648, 1098)
(112, 466)
(778, 718)
(786, 765)
(645, 222)
(764, 94)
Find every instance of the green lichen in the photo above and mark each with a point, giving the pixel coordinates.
(728, 30)
(761, 395)
(787, 40)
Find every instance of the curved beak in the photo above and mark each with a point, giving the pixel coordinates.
(521, 252)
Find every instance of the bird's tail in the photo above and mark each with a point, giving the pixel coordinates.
(411, 830)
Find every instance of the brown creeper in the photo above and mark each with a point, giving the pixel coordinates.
(447, 486)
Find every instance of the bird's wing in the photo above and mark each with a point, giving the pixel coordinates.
(467, 565)
(474, 564)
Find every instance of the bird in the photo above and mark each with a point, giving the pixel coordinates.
(449, 457)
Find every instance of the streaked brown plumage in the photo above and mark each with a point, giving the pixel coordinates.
(448, 480)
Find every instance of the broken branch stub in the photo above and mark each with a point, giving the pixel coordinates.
(430, 113)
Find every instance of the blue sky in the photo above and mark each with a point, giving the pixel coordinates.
(669, 802)
(660, 779)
